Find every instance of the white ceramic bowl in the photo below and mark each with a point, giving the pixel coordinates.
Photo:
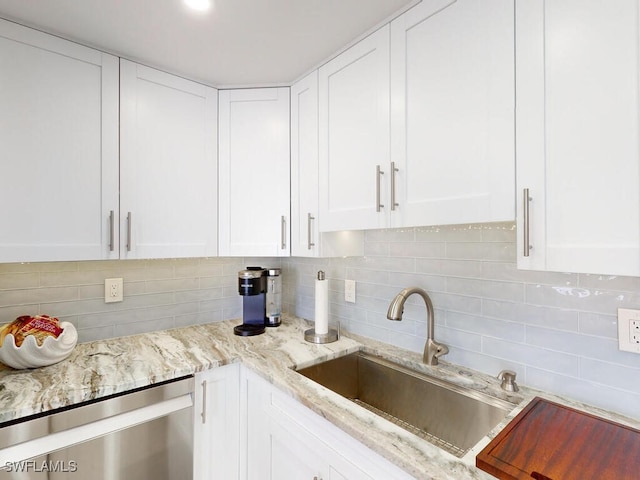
(32, 355)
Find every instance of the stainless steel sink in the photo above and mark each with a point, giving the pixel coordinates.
(452, 417)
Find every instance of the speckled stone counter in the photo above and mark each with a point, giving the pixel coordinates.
(102, 368)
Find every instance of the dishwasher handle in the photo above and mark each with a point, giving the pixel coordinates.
(90, 431)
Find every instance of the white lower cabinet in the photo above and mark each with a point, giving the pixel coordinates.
(216, 424)
(286, 441)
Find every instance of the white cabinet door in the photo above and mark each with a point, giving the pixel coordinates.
(292, 456)
(254, 172)
(283, 440)
(59, 138)
(304, 167)
(452, 113)
(217, 424)
(578, 134)
(168, 165)
(306, 239)
(354, 136)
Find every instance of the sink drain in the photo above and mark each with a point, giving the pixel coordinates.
(437, 441)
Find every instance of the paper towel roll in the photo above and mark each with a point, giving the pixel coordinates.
(322, 305)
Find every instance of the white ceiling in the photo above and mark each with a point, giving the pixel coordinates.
(237, 42)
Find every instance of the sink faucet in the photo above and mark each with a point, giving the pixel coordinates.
(432, 349)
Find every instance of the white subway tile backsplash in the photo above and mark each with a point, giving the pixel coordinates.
(177, 291)
(599, 348)
(452, 233)
(499, 232)
(531, 314)
(493, 252)
(464, 340)
(543, 358)
(612, 374)
(595, 393)
(598, 325)
(12, 281)
(507, 271)
(457, 303)
(431, 283)
(417, 249)
(125, 329)
(487, 289)
(391, 235)
(557, 330)
(580, 299)
(610, 282)
(377, 249)
(487, 327)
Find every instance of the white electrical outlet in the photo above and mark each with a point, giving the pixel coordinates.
(350, 291)
(629, 330)
(112, 290)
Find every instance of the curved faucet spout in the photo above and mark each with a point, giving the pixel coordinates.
(432, 349)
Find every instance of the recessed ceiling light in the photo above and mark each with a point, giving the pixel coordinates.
(199, 5)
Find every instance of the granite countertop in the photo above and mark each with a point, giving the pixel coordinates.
(105, 367)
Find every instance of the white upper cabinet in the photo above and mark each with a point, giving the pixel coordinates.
(452, 114)
(254, 172)
(354, 135)
(168, 165)
(417, 121)
(306, 239)
(59, 148)
(578, 134)
(304, 167)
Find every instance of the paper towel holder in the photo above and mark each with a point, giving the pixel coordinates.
(328, 335)
(331, 336)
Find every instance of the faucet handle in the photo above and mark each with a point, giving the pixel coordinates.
(442, 350)
(508, 378)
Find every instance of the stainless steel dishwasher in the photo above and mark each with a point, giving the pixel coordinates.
(144, 434)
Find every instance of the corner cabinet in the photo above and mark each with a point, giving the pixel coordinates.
(305, 236)
(578, 136)
(254, 172)
(168, 165)
(287, 441)
(354, 135)
(59, 137)
(306, 239)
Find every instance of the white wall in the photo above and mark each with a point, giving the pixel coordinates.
(558, 331)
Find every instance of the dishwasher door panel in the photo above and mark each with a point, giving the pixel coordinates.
(158, 449)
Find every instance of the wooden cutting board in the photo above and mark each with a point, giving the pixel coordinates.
(548, 441)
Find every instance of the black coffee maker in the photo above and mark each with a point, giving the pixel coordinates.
(252, 286)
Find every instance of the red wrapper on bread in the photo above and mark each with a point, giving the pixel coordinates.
(40, 326)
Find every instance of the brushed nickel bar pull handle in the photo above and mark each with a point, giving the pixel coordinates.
(204, 402)
(309, 242)
(111, 239)
(378, 173)
(129, 232)
(526, 199)
(393, 186)
(283, 226)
